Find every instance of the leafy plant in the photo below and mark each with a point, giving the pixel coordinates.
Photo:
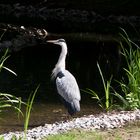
(8, 100)
(28, 110)
(108, 103)
(11, 101)
(131, 84)
(27, 116)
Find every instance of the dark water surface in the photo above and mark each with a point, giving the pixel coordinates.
(42, 113)
(34, 65)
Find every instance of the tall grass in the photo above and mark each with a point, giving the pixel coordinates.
(130, 82)
(11, 101)
(2, 60)
(8, 100)
(28, 110)
(130, 85)
(106, 101)
(27, 116)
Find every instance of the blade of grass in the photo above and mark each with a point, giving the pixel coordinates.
(28, 110)
(10, 70)
(101, 76)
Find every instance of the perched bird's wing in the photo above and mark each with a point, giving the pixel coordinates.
(67, 86)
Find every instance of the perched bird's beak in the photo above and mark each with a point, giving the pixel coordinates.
(57, 41)
(52, 41)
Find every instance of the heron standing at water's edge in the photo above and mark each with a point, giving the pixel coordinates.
(66, 84)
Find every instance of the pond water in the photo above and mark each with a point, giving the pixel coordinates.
(34, 65)
(42, 113)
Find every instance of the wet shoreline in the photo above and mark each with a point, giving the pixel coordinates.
(41, 114)
(90, 122)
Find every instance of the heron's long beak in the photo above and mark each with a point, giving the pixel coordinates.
(52, 41)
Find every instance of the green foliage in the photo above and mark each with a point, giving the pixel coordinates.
(107, 87)
(129, 132)
(130, 83)
(27, 115)
(8, 100)
(106, 104)
(15, 138)
(1, 137)
(2, 60)
(76, 135)
(131, 86)
(11, 101)
(28, 110)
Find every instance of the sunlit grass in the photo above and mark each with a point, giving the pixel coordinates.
(129, 132)
(28, 110)
(104, 102)
(130, 85)
(8, 100)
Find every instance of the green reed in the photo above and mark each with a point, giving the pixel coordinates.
(106, 101)
(8, 100)
(130, 85)
(28, 110)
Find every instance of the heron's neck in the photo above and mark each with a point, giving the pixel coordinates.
(62, 57)
(60, 66)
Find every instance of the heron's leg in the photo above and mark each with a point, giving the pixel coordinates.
(67, 117)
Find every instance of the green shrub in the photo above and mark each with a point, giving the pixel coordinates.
(130, 85)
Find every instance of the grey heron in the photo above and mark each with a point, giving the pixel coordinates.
(66, 83)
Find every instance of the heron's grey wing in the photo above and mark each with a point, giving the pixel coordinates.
(67, 87)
